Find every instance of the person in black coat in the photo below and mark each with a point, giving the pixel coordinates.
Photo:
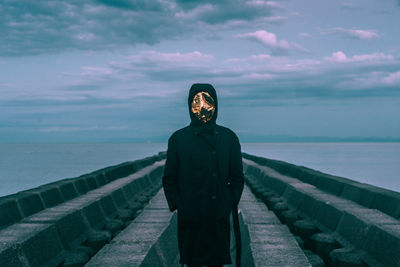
(203, 180)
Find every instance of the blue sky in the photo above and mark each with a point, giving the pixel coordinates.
(120, 71)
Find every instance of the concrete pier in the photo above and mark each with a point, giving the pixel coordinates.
(118, 216)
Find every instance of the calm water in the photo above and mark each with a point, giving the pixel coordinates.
(373, 163)
(23, 166)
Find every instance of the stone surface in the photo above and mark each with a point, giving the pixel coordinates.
(9, 212)
(265, 240)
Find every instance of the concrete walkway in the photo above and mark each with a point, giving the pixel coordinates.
(266, 242)
(150, 240)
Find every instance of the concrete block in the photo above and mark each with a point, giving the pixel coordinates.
(91, 182)
(327, 215)
(128, 191)
(323, 244)
(305, 229)
(135, 186)
(68, 190)
(9, 212)
(165, 251)
(345, 257)
(51, 196)
(144, 182)
(293, 197)
(272, 234)
(118, 171)
(11, 255)
(305, 177)
(154, 216)
(374, 217)
(330, 185)
(277, 185)
(270, 255)
(257, 216)
(36, 244)
(121, 255)
(119, 198)
(359, 193)
(289, 217)
(352, 228)
(314, 259)
(94, 215)
(108, 207)
(138, 232)
(383, 244)
(97, 239)
(73, 229)
(113, 225)
(101, 179)
(71, 226)
(80, 185)
(266, 195)
(29, 203)
(387, 202)
(307, 205)
(77, 257)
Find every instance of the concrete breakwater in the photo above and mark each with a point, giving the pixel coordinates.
(66, 222)
(342, 222)
(118, 216)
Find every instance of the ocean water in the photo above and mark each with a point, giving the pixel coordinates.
(372, 163)
(23, 166)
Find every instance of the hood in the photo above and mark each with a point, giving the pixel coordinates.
(202, 87)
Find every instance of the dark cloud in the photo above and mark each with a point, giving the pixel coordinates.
(132, 4)
(36, 27)
(214, 12)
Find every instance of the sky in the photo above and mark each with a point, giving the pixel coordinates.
(120, 71)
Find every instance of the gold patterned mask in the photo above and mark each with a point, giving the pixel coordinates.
(203, 106)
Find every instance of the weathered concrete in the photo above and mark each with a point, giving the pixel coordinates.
(99, 218)
(360, 234)
(148, 241)
(366, 195)
(266, 241)
(25, 203)
(71, 231)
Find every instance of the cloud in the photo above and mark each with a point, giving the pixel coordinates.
(172, 58)
(392, 78)
(220, 12)
(304, 35)
(37, 27)
(349, 6)
(269, 40)
(341, 57)
(354, 33)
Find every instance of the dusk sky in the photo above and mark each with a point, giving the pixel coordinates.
(120, 71)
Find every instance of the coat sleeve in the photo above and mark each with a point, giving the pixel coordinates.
(236, 171)
(170, 178)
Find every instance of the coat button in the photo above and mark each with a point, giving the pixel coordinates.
(213, 152)
(214, 174)
(213, 197)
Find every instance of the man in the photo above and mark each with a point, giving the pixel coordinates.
(203, 180)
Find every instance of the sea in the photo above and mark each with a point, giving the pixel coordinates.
(24, 166)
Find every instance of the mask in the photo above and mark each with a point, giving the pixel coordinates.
(203, 106)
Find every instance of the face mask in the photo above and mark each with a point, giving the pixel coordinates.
(203, 106)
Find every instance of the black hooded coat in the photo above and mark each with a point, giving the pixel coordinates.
(203, 180)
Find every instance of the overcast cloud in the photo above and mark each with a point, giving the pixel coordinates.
(120, 70)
